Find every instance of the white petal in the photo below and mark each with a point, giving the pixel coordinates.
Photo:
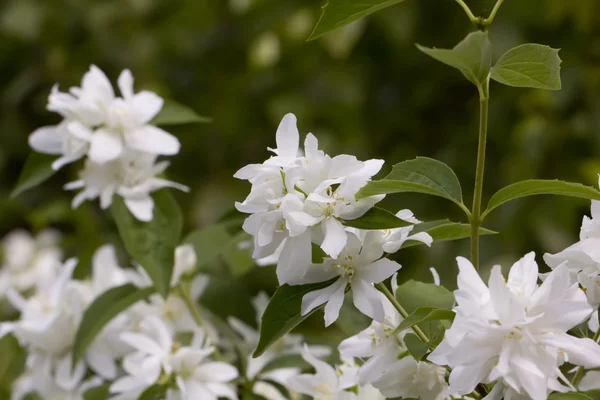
(591, 381)
(581, 351)
(141, 208)
(314, 299)
(378, 271)
(105, 146)
(295, 257)
(367, 300)
(147, 106)
(65, 377)
(102, 363)
(334, 305)
(125, 83)
(503, 300)
(216, 372)
(288, 137)
(150, 139)
(47, 140)
(524, 274)
(335, 237)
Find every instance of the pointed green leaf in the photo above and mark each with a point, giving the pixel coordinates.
(107, 306)
(421, 175)
(445, 230)
(424, 314)
(337, 13)
(472, 56)
(101, 392)
(415, 346)
(377, 218)
(413, 294)
(152, 244)
(529, 65)
(539, 186)
(209, 242)
(283, 313)
(37, 169)
(154, 392)
(569, 396)
(174, 113)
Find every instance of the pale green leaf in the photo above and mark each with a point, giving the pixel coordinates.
(540, 186)
(415, 346)
(444, 230)
(424, 314)
(152, 244)
(107, 306)
(174, 113)
(337, 13)
(472, 56)
(529, 65)
(37, 169)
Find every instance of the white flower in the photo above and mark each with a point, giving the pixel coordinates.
(390, 368)
(132, 176)
(46, 387)
(327, 384)
(393, 239)
(514, 332)
(358, 265)
(28, 262)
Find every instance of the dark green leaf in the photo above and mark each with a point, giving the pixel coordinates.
(174, 113)
(569, 396)
(283, 313)
(472, 56)
(107, 306)
(154, 392)
(539, 186)
(445, 230)
(529, 65)
(37, 169)
(337, 13)
(377, 218)
(215, 299)
(421, 175)
(97, 393)
(424, 314)
(415, 346)
(238, 259)
(152, 244)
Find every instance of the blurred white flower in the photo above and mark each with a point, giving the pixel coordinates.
(29, 262)
(515, 332)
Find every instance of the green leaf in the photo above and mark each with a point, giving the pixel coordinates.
(97, 392)
(337, 13)
(239, 260)
(174, 113)
(472, 56)
(238, 305)
(154, 392)
(152, 244)
(107, 306)
(208, 242)
(283, 313)
(377, 218)
(415, 346)
(445, 230)
(539, 186)
(569, 396)
(37, 169)
(529, 65)
(424, 314)
(421, 175)
(413, 295)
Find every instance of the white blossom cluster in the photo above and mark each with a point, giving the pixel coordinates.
(116, 138)
(300, 198)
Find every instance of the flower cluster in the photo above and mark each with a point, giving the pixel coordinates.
(116, 137)
(300, 198)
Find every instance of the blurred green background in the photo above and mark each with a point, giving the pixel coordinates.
(364, 90)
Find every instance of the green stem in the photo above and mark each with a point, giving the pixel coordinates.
(475, 20)
(488, 21)
(475, 219)
(402, 311)
(579, 374)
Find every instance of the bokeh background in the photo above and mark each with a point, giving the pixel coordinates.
(364, 90)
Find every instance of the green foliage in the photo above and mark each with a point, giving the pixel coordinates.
(152, 244)
(569, 396)
(107, 306)
(174, 113)
(425, 314)
(283, 313)
(37, 169)
(539, 186)
(154, 392)
(529, 65)
(444, 230)
(413, 295)
(337, 13)
(415, 346)
(377, 218)
(472, 56)
(421, 175)
(226, 297)
(97, 393)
